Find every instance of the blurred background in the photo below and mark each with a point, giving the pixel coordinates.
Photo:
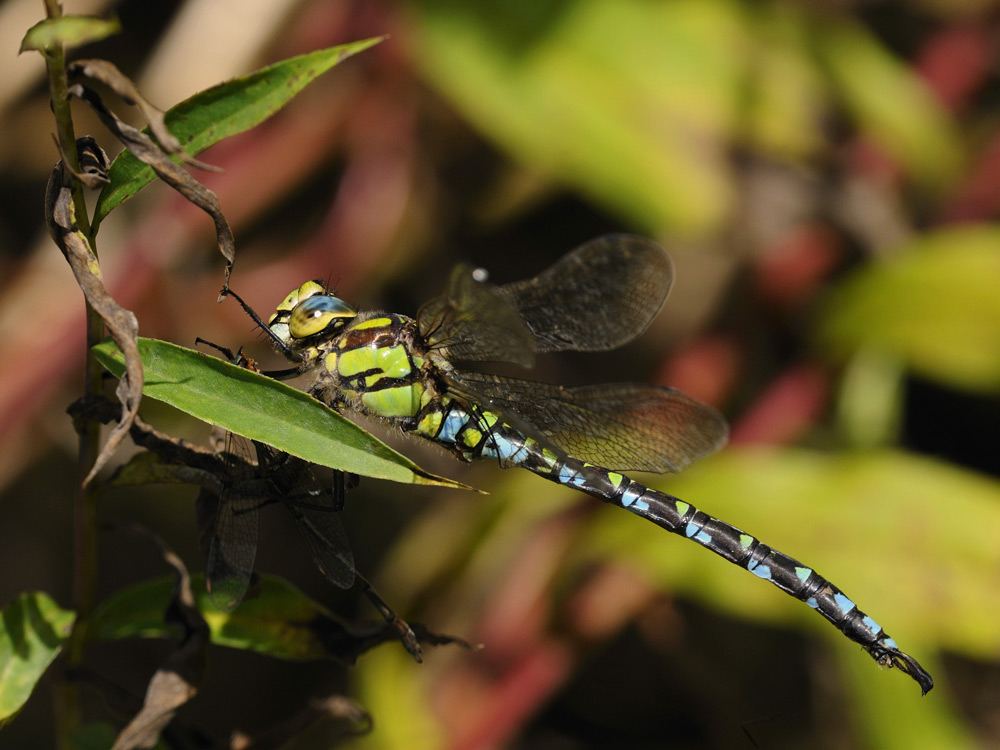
(826, 177)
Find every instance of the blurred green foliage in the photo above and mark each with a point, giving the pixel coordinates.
(639, 105)
(933, 304)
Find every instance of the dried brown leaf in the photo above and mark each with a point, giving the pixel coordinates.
(176, 682)
(108, 73)
(147, 151)
(121, 323)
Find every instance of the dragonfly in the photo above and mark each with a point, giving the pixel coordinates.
(257, 475)
(406, 372)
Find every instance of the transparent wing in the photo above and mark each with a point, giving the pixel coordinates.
(597, 297)
(318, 520)
(315, 508)
(622, 426)
(474, 321)
(230, 525)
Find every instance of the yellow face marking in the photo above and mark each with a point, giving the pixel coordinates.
(309, 289)
(280, 330)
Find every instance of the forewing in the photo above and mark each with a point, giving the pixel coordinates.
(598, 297)
(475, 321)
(621, 426)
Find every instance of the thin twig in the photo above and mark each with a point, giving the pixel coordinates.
(84, 522)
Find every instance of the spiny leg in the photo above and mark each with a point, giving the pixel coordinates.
(406, 635)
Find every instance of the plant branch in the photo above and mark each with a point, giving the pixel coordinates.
(85, 510)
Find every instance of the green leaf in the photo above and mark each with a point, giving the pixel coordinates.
(68, 31)
(890, 102)
(784, 87)
(402, 698)
(870, 401)
(877, 524)
(32, 634)
(224, 110)
(626, 101)
(933, 304)
(638, 104)
(263, 409)
(280, 621)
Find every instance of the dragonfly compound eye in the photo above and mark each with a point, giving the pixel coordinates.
(319, 314)
(294, 297)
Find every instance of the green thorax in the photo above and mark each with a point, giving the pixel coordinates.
(377, 364)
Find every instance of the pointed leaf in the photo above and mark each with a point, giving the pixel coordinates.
(263, 409)
(224, 110)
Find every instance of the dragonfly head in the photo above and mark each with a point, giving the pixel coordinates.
(309, 311)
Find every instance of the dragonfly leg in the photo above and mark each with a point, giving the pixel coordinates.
(406, 635)
(339, 491)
